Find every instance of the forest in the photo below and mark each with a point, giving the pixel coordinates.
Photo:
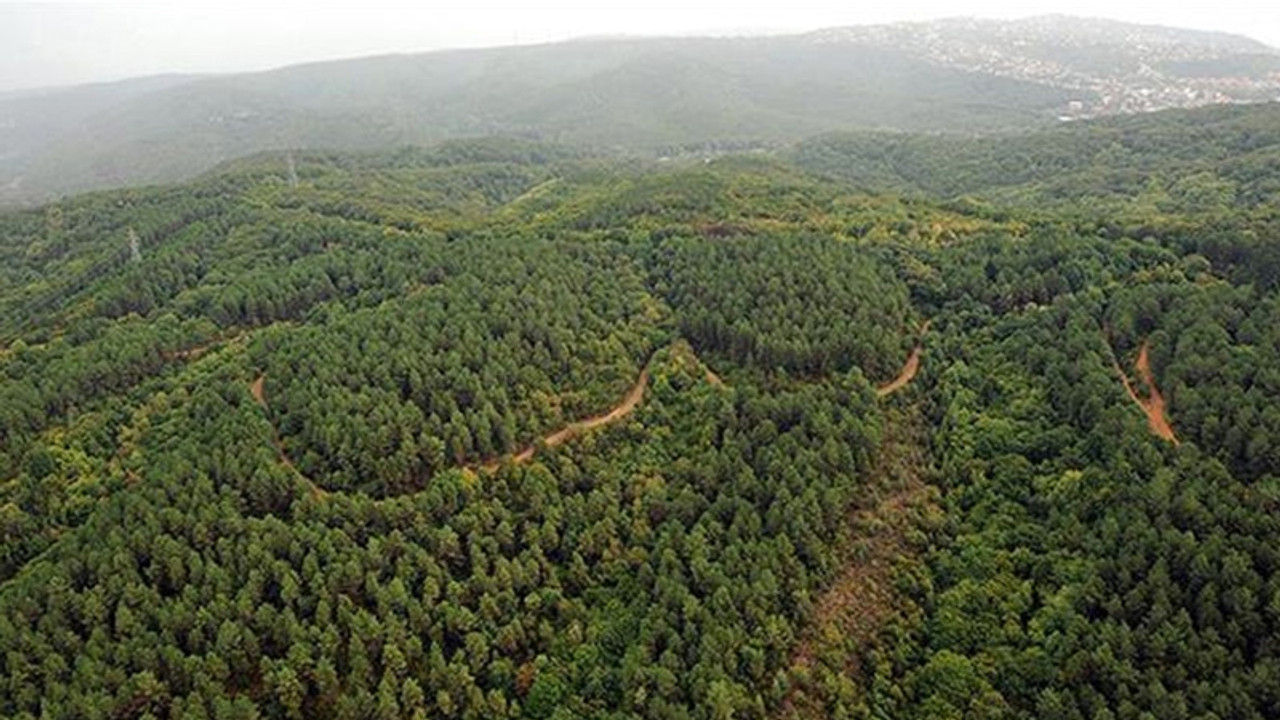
(872, 427)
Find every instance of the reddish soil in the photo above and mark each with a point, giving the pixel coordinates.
(258, 389)
(1154, 406)
(909, 370)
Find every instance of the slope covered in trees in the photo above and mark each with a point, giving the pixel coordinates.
(1096, 159)
(263, 466)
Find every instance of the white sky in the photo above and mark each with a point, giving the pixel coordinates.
(47, 43)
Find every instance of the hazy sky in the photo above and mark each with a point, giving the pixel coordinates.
(63, 43)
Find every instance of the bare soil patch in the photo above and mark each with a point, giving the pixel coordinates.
(1153, 406)
(909, 369)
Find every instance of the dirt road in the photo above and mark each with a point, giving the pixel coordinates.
(259, 391)
(909, 369)
(565, 434)
(1154, 406)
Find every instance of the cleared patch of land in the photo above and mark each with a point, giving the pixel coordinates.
(850, 614)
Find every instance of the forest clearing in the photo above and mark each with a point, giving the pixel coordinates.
(850, 614)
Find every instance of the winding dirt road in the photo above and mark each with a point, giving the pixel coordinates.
(909, 369)
(636, 395)
(1154, 406)
(569, 432)
(629, 403)
(259, 391)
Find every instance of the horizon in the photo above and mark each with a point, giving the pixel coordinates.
(75, 57)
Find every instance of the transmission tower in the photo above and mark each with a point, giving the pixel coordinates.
(135, 246)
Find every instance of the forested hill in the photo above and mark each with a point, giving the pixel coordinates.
(1096, 159)
(1206, 177)
(502, 429)
(652, 96)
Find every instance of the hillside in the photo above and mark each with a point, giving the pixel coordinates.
(503, 429)
(1098, 159)
(649, 96)
(1136, 176)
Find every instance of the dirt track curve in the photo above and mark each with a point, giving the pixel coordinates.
(628, 405)
(569, 432)
(909, 369)
(1153, 407)
(259, 391)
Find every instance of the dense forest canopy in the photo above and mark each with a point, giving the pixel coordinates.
(505, 429)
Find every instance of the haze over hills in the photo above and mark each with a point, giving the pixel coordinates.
(1115, 67)
(654, 96)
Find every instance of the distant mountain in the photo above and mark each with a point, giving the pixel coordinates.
(658, 96)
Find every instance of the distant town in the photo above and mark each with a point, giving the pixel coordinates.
(1116, 68)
